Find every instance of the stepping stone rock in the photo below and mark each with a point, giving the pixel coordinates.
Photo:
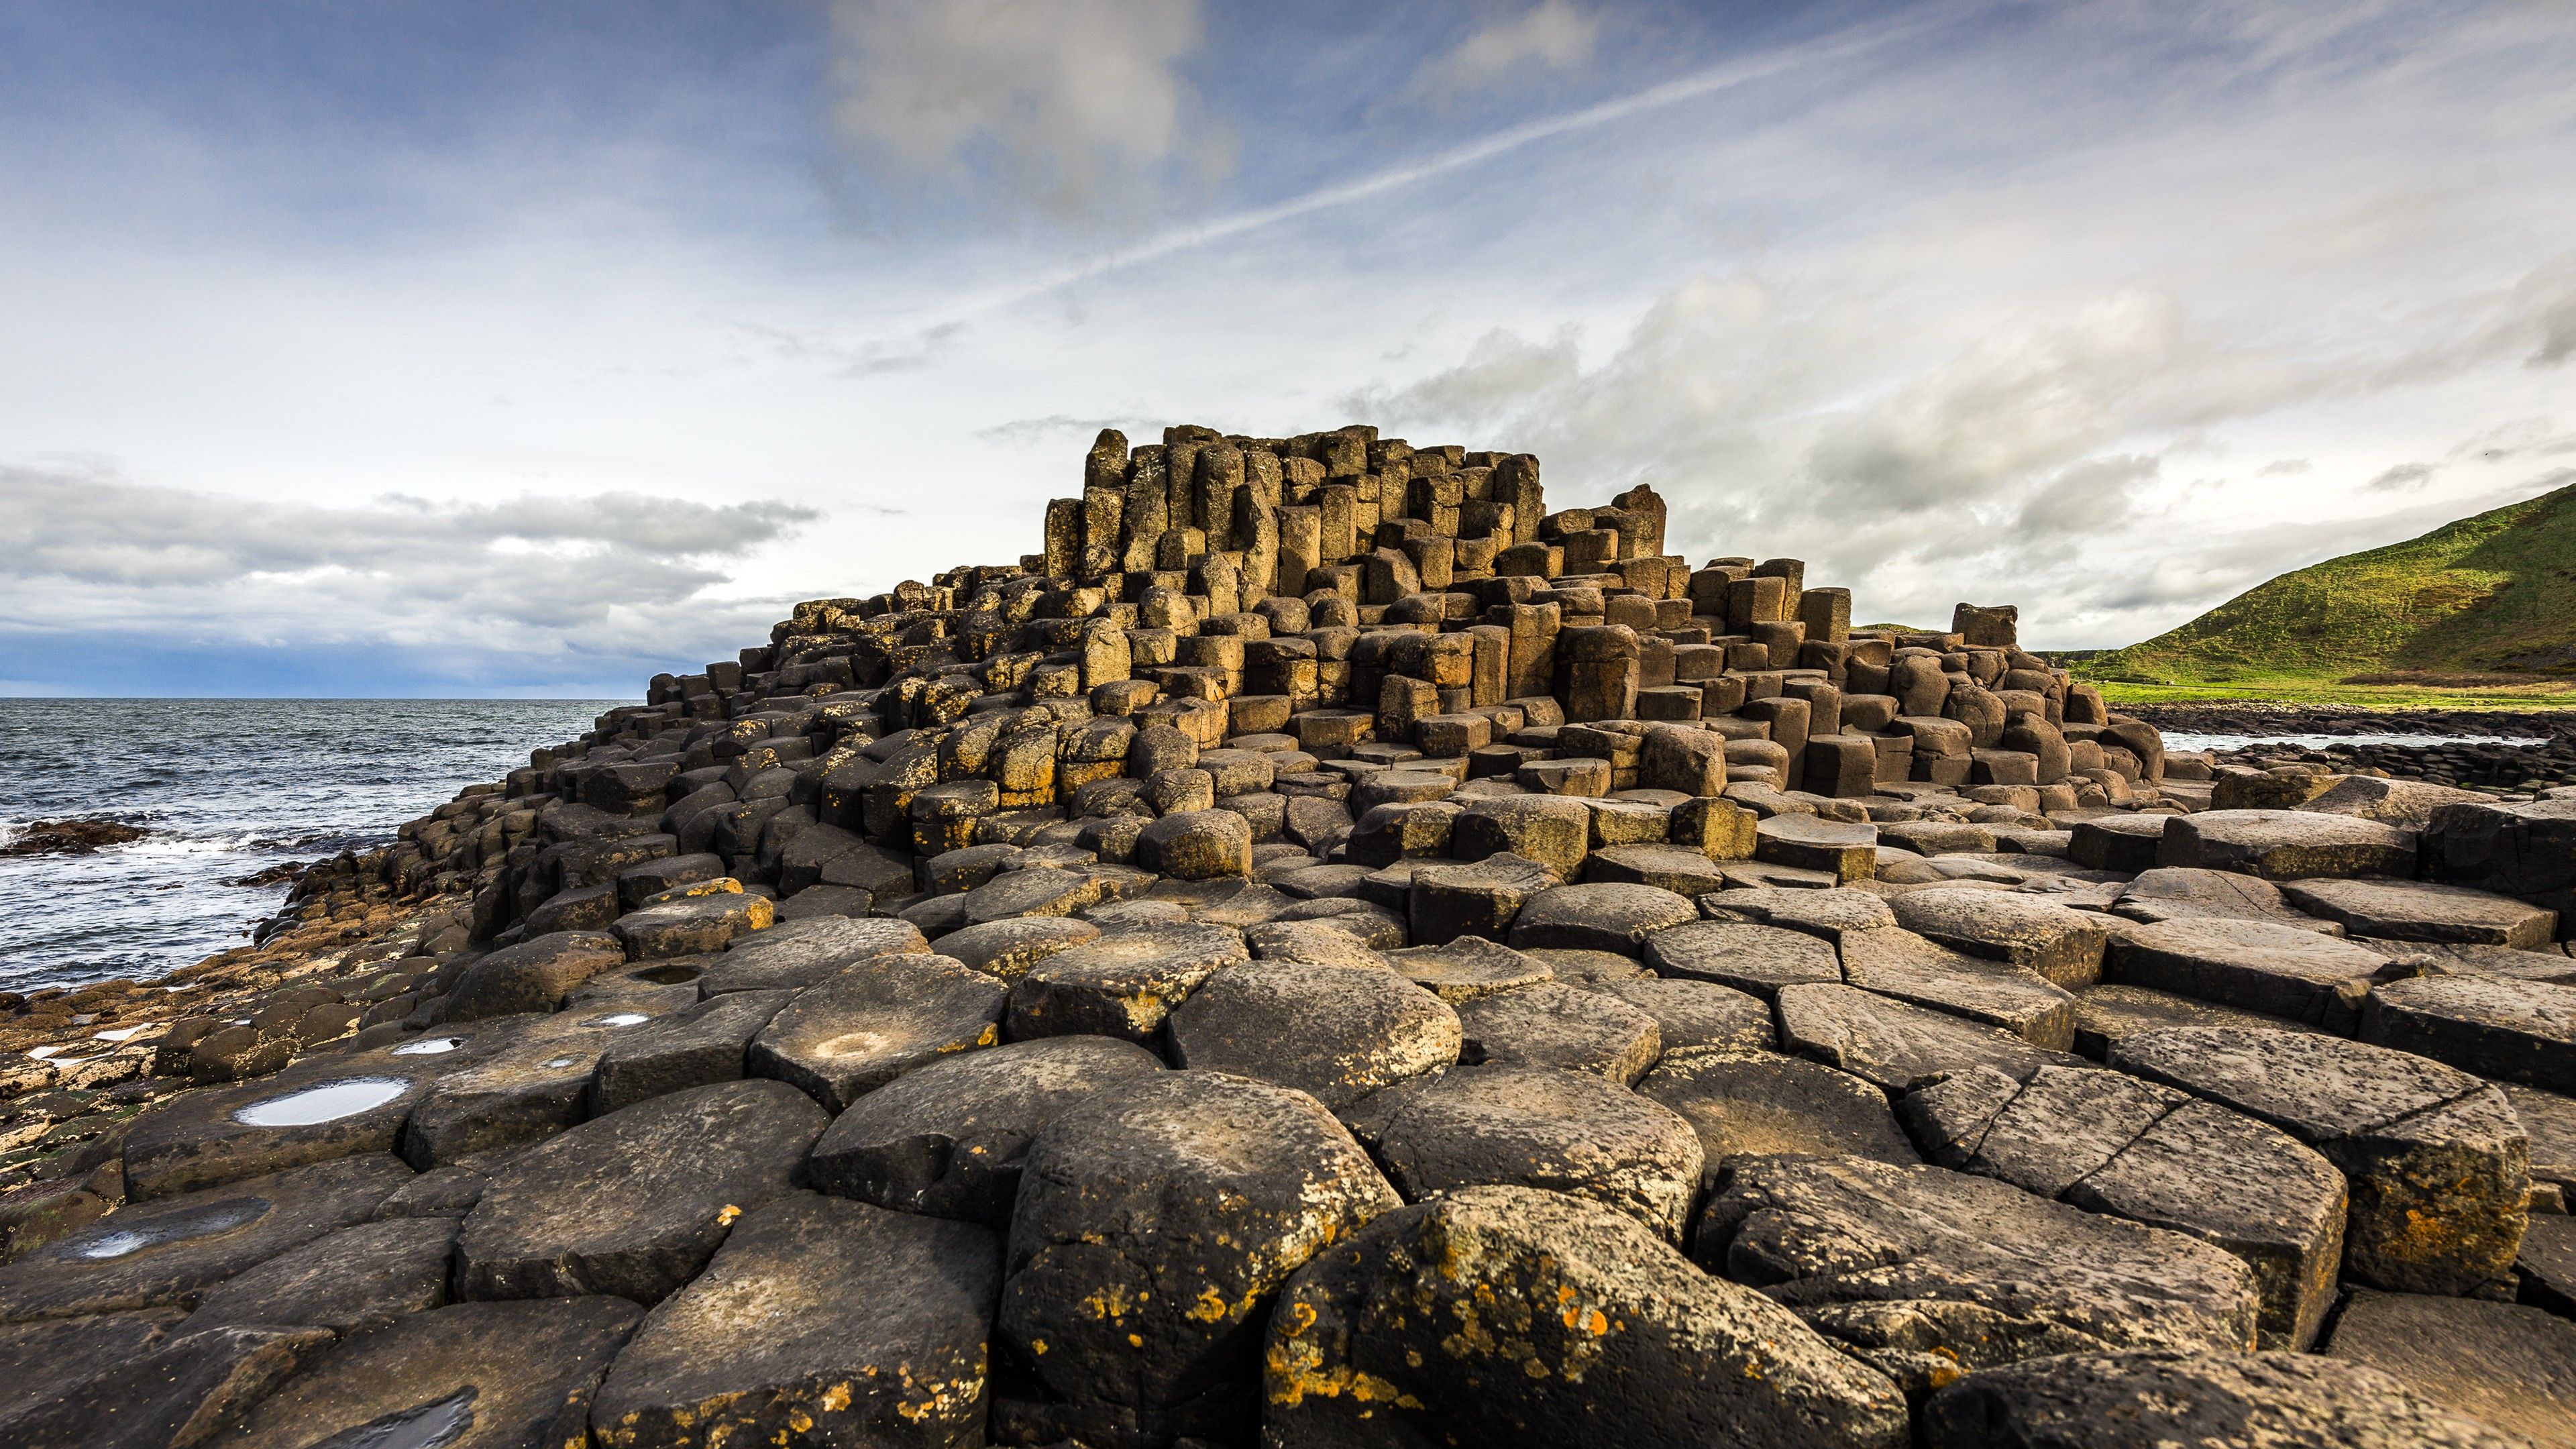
(180, 1391)
(705, 1044)
(1468, 968)
(634, 1203)
(2060, 945)
(2286, 844)
(1044, 891)
(1675, 868)
(1924, 1272)
(1757, 1102)
(169, 1252)
(469, 1376)
(1551, 829)
(1390, 1338)
(1743, 957)
(1124, 984)
(1696, 1014)
(352, 1279)
(1007, 949)
(2157, 1400)
(1897, 1047)
(2409, 910)
(791, 957)
(1599, 917)
(1569, 1132)
(2434, 1159)
(2497, 1027)
(1844, 850)
(2108, 1142)
(1478, 899)
(948, 1139)
(1555, 1025)
(534, 975)
(2108, 1012)
(690, 927)
(1590, 970)
(1155, 1226)
(2256, 966)
(861, 1029)
(2511, 1368)
(2192, 895)
(532, 1084)
(312, 1112)
(1824, 914)
(820, 1321)
(1331, 1032)
(2128, 844)
(1197, 845)
(1315, 943)
(1900, 964)
(1374, 926)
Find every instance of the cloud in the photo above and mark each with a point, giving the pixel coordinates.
(483, 585)
(2548, 299)
(1081, 105)
(1058, 428)
(2405, 477)
(2286, 467)
(1553, 35)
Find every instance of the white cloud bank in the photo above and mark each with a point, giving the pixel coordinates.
(536, 579)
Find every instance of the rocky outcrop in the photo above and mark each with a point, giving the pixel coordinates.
(1329, 951)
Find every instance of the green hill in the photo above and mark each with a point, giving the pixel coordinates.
(2489, 600)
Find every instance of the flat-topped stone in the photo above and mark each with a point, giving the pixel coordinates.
(1554, 1024)
(2177, 894)
(2437, 1164)
(1923, 1272)
(1123, 984)
(865, 1026)
(1599, 917)
(1569, 1132)
(1894, 1046)
(1758, 1102)
(800, 953)
(1467, 968)
(2060, 945)
(2498, 1027)
(2411, 910)
(949, 1138)
(1900, 964)
(866, 1325)
(2257, 966)
(2286, 844)
(1155, 1225)
(1743, 956)
(633, 1204)
(1394, 1325)
(1331, 1032)
(1826, 914)
(1693, 1014)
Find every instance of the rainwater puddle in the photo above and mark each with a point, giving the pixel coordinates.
(326, 1103)
(623, 1018)
(434, 1046)
(222, 1217)
(431, 1426)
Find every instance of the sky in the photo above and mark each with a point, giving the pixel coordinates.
(532, 348)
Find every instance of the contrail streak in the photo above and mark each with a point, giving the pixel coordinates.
(1726, 75)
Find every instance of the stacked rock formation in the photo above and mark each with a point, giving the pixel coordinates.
(1331, 953)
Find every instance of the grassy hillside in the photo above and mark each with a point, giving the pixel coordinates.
(2485, 606)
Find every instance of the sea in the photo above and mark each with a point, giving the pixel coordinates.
(228, 788)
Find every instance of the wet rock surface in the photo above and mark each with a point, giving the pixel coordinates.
(820, 1319)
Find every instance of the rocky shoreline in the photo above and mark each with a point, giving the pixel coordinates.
(1333, 952)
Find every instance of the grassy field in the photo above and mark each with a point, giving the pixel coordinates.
(2477, 614)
